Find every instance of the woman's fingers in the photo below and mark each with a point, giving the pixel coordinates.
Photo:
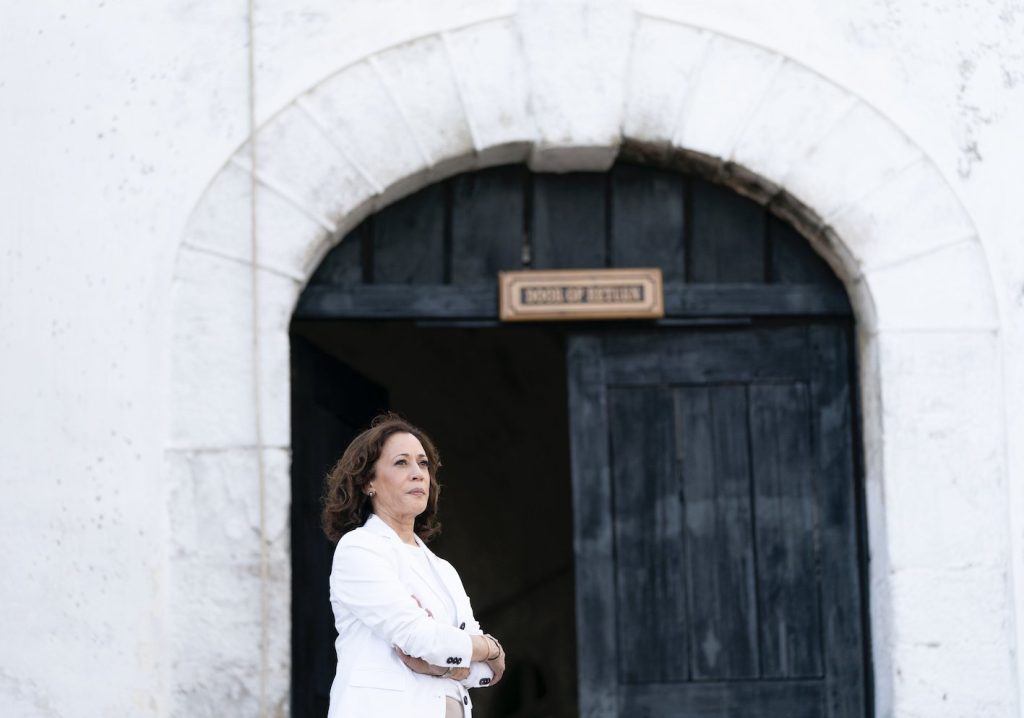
(498, 665)
(420, 666)
(416, 664)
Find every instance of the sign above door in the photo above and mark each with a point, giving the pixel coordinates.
(581, 294)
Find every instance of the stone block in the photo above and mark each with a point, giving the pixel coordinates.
(859, 292)
(275, 386)
(882, 228)
(214, 506)
(287, 238)
(214, 635)
(944, 474)
(296, 42)
(951, 655)
(861, 153)
(214, 503)
(572, 158)
(295, 153)
(279, 636)
(212, 359)
(288, 234)
(363, 120)
(419, 77)
(798, 110)
(215, 578)
(663, 65)
(498, 113)
(213, 352)
(947, 289)
(277, 467)
(577, 82)
(278, 296)
(871, 409)
(950, 595)
(222, 220)
(733, 79)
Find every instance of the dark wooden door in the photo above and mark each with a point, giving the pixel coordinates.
(717, 555)
(330, 404)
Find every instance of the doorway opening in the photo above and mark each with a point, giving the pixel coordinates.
(665, 517)
(494, 399)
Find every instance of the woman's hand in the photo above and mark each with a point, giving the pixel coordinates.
(497, 664)
(418, 665)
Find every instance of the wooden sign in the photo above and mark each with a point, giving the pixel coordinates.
(580, 294)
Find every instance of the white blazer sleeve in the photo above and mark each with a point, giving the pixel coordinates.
(480, 674)
(365, 580)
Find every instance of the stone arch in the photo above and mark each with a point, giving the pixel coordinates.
(869, 199)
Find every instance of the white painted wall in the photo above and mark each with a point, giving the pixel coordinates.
(146, 573)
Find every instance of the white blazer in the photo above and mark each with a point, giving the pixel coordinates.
(372, 587)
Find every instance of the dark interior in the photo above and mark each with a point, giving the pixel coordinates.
(494, 400)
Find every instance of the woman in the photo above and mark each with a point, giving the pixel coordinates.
(408, 645)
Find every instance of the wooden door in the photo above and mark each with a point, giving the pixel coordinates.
(717, 557)
(331, 403)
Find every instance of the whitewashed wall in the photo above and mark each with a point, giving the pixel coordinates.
(143, 314)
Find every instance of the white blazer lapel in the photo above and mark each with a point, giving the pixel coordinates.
(417, 568)
(450, 580)
(443, 573)
(405, 567)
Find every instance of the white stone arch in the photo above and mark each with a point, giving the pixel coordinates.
(507, 89)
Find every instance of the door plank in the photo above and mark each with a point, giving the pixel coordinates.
(593, 541)
(786, 528)
(343, 265)
(487, 223)
(792, 260)
(712, 356)
(847, 683)
(727, 236)
(398, 302)
(408, 241)
(335, 300)
(647, 228)
(568, 229)
(711, 439)
(755, 300)
(650, 585)
(735, 699)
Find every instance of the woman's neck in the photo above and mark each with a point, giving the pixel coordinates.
(401, 525)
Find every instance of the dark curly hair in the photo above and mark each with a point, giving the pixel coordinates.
(346, 505)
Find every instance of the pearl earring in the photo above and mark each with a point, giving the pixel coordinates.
(371, 493)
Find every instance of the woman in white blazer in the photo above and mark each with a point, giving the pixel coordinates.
(408, 644)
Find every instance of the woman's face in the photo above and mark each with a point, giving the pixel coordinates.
(401, 478)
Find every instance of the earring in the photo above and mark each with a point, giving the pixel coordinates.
(371, 493)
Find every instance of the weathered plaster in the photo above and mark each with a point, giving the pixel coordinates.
(116, 116)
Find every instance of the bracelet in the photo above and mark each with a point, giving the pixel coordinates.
(497, 647)
(446, 673)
